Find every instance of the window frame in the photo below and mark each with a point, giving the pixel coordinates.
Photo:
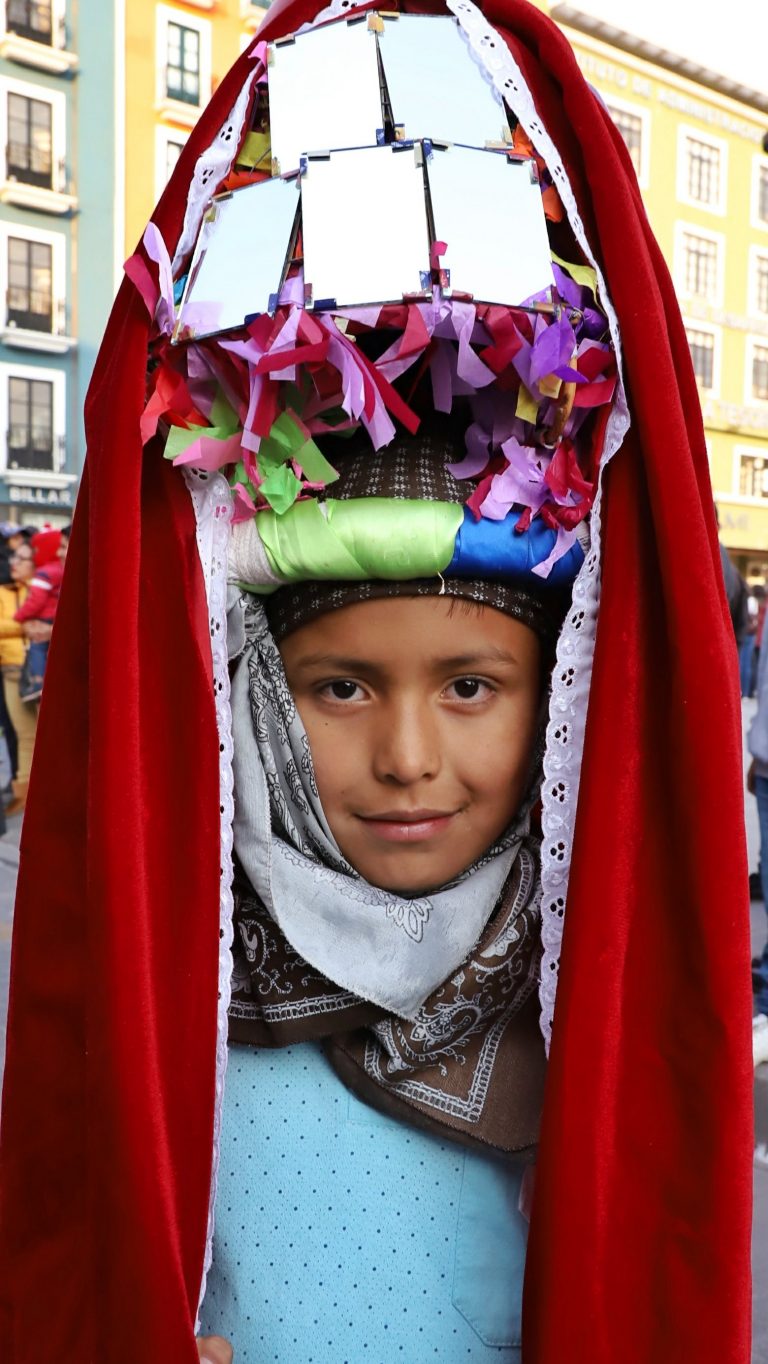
(624, 106)
(759, 163)
(686, 132)
(58, 243)
(753, 343)
(165, 16)
(58, 379)
(694, 324)
(681, 231)
(58, 41)
(741, 451)
(756, 254)
(164, 137)
(58, 102)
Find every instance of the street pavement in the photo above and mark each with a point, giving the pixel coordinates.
(9, 858)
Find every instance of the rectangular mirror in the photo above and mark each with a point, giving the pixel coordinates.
(488, 211)
(366, 234)
(436, 88)
(240, 257)
(324, 92)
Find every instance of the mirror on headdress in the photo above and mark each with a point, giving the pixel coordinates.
(487, 208)
(435, 87)
(324, 92)
(365, 230)
(240, 258)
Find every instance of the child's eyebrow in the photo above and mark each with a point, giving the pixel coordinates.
(455, 663)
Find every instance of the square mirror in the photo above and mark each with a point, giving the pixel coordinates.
(487, 208)
(436, 88)
(240, 257)
(324, 92)
(366, 233)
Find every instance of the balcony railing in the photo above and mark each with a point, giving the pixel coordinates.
(31, 19)
(35, 310)
(29, 449)
(33, 165)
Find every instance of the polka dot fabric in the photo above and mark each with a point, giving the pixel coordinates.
(344, 1235)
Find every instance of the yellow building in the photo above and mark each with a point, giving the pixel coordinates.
(175, 55)
(698, 143)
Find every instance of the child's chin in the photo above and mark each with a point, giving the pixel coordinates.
(409, 882)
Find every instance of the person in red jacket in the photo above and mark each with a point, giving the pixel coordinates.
(40, 606)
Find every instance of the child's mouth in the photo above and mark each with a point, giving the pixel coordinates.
(408, 826)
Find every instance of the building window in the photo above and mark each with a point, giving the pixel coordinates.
(31, 19)
(700, 266)
(760, 373)
(753, 476)
(183, 65)
(761, 206)
(702, 347)
(30, 284)
(759, 301)
(30, 423)
(30, 141)
(173, 150)
(703, 172)
(631, 128)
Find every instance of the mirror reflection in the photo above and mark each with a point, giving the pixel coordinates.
(240, 257)
(436, 88)
(488, 211)
(339, 64)
(366, 238)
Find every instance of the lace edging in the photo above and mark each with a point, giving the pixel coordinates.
(211, 167)
(212, 502)
(575, 649)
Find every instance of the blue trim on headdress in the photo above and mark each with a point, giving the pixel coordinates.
(494, 549)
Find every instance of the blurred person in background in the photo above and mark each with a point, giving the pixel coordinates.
(736, 593)
(750, 641)
(38, 611)
(13, 650)
(757, 783)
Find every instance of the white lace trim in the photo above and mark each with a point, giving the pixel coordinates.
(575, 650)
(211, 168)
(212, 502)
(576, 645)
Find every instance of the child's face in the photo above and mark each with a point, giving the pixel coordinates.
(421, 718)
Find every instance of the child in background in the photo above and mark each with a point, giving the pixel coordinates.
(40, 605)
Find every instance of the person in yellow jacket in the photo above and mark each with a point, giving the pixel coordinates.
(13, 648)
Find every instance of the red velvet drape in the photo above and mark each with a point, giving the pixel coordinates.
(639, 1249)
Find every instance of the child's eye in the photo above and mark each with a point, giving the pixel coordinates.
(469, 689)
(342, 689)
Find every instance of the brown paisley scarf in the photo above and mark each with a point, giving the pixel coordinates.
(469, 1065)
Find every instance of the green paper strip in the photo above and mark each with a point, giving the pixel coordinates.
(362, 538)
(222, 413)
(580, 274)
(280, 488)
(180, 437)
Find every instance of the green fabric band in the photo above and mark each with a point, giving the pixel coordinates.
(362, 538)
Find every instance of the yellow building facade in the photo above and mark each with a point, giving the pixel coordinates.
(175, 55)
(703, 171)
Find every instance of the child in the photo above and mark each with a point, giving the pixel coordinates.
(147, 1146)
(40, 605)
(398, 959)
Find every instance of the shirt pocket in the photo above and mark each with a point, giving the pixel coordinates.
(491, 1238)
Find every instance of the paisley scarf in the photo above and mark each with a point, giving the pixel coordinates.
(428, 1005)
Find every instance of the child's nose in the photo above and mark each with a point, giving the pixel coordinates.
(408, 748)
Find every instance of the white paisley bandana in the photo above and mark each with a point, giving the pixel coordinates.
(383, 948)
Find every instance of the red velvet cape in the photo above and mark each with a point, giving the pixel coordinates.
(639, 1248)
